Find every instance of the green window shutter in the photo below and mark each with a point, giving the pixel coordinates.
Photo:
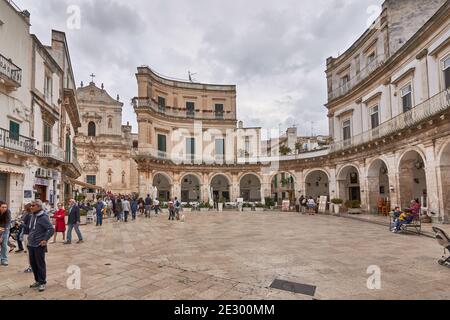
(14, 130)
(162, 143)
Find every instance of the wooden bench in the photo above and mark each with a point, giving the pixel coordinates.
(415, 224)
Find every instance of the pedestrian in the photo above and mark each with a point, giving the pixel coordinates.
(20, 242)
(148, 206)
(304, 204)
(99, 206)
(156, 206)
(311, 206)
(74, 222)
(60, 222)
(134, 208)
(126, 208)
(5, 223)
(171, 210)
(119, 209)
(41, 230)
(177, 205)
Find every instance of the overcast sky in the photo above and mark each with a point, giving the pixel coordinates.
(274, 51)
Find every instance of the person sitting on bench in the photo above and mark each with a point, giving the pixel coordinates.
(407, 217)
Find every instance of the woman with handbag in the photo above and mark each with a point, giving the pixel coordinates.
(60, 222)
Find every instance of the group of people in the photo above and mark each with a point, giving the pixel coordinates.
(401, 218)
(308, 205)
(33, 230)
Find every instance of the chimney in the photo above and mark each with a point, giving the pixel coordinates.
(26, 15)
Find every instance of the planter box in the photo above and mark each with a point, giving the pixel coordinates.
(337, 208)
(220, 207)
(354, 211)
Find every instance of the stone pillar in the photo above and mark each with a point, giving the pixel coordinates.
(299, 184)
(235, 187)
(372, 193)
(332, 184)
(432, 181)
(205, 186)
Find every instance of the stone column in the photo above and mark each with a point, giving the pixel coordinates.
(432, 181)
(372, 193)
(235, 187)
(332, 184)
(299, 184)
(176, 187)
(205, 186)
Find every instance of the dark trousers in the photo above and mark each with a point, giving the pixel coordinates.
(37, 263)
(19, 236)
(133, 214)
(126, 215)
(99, 219)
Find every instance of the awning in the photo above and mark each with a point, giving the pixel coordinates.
(84, 184)
(10, 168)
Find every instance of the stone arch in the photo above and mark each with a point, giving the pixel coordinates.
(378, 184)
(250, 185)
(283, 186)
(191, 184)
(407, 151)
(163, 182)
(412, 177)
(349, 182)
(317, 183)
(220, 184)
(444, 175)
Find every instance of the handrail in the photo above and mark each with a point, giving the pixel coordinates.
(17, 142)
(10, 70)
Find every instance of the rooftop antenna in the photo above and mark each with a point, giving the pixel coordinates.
(191, 79)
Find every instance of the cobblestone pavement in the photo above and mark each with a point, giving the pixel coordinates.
(236, 256)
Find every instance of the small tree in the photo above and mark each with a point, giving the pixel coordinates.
(284, 151)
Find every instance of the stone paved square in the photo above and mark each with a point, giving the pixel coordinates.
(233, 255)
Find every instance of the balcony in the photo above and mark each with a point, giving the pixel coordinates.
(422, 112)
(360, 76)
(10, 73)
(182, 113)
(51, 151)
(15, 142)
(77, 165)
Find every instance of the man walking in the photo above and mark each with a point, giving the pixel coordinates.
(73, 222)
(5, 223)
(148, 206)
(156, 205)
(41, 230)
(134, 208)
(126, 208)
(177, 208)
(99, 210)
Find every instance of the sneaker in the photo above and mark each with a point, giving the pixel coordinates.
(41, 288)
(28, 270)
(19, 251)
(35, 285)
(80, 241)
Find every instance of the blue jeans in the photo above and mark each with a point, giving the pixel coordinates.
(5, 249)
(77, 230)
(99, 219)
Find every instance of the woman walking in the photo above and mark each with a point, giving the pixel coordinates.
(60, 222)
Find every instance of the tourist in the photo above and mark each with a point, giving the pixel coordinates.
(134, 208)
(126, 208)
(156, 206)
(119, 210)
(5, 222)
(20, 242)
(74, 222)
(141, 205)
(177, 205)
(41, 230)
(99, 212)
(60, 222)
(408, 217)
(311, 206)
(148, 206)
(109, 208)
(171, 210)
(26, 219)
(303, 204)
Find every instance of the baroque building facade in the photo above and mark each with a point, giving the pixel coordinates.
(105, 146)
(388, 108)
(40, 119)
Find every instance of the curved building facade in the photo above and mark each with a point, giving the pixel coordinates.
(388, 108)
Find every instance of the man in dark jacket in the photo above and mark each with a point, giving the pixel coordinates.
(73, 222)
(5, 223)
(41, 230)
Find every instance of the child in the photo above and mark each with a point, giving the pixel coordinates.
(396, 213)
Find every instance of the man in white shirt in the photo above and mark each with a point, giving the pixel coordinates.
(156, 206)
(126, 208)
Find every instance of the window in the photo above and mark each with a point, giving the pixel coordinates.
(345, 80)
(220, 149)
(91, 180)
(110, 172)
(346, 130)
(374, 117)
(247, 146)
(47, 132)
(162, 147)
(190, 149)
(370, 58)
(14, 130)
(161, 104)
(48, 88)
(219, 111)
(110, 124)
(190, 109)
(447, 73)
(406, 94)
(91, 129)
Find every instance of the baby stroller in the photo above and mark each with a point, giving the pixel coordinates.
(444, 240)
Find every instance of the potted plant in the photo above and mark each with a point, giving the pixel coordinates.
(337, 203)
(204, 207)
(270, 203)
(259, 207)
(220, 204)
(354, 207)
(187, 208)
(247, 207)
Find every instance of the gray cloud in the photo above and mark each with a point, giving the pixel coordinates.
(274, 52)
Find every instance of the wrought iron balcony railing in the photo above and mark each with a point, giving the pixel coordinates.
(358, 78)
(427, 109)
(49, 150)
(10, 72)
(16, 142)
(182, 113)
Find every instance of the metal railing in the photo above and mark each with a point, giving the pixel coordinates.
(10, 70)
(13, 141)
(431, 107)
(76, 164)
(49, 150)
(182, 113)
(358, 78)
